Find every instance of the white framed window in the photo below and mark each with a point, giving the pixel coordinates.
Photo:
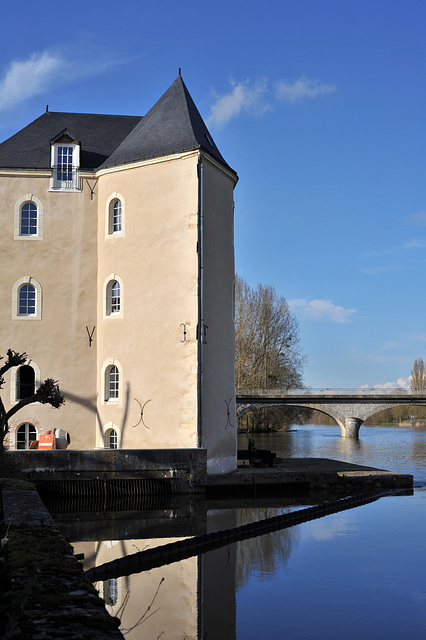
(28, 222)
(26, 299)
(25, 434)
(114, 215)
(111, 436)
(65, 161)
(111, 381)
(113, 296)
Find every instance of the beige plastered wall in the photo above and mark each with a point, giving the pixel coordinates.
(64, 264)
(219, 418)
(155, 257)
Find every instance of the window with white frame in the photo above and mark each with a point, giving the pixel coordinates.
(116, 219)
(26, 299)
(115, 215)
(112, 383)
(113, 439)
(113, 298)
(28, 223)
(65, 159)
(28, 219)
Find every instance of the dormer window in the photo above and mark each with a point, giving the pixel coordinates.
(65, 160)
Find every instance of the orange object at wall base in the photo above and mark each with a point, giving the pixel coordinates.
(47, 441)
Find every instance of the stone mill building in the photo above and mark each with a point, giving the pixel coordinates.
(117, 279)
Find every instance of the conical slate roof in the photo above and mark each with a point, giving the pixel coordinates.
(173, 125)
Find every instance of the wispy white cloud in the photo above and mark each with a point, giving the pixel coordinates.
(256, 98)
(301, 89)
(243, 97)
(417, 219)
(25, 79)
(372, 271)
(319, 309)
(414, 243)
(401, 383)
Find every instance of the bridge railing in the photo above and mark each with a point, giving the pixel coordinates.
(325, 391)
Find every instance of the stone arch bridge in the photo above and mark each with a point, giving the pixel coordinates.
(348, 407)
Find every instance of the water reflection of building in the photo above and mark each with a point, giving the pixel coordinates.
(191, 599)
(194, 598)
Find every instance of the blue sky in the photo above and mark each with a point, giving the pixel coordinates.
(319, 105)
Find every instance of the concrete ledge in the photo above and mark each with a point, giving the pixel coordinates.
(73, 464)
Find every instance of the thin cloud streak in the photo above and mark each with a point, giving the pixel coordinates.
(256, 98)
(25, 79)
(301, 89)
(318, 309)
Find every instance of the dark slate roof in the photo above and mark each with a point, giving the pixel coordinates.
(173, 125)
(99, 135)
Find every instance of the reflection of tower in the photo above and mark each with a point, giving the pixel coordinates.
(217, 609)
(191, 599)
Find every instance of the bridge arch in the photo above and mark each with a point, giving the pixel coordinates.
(349, 410)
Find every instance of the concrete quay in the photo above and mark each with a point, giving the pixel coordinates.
(314, 474)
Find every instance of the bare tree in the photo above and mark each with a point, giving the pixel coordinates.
(47, 393)
(267, 351)
(418, 375)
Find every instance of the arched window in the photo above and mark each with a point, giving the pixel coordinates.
(115, 214)
(27, 300)
(25, 382)
(28, 219)
(116, 219)
(112, 383)
(113, 297)
(25, 434)
(112, 440)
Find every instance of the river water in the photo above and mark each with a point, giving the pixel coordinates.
(358, 574)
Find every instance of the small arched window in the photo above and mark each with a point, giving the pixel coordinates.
(25, 434)
(113, 298)
(28, 219)
(113, 439)
(115, 216)
(27, 297)
(25, 382)
(27, 300)
(112, 383)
